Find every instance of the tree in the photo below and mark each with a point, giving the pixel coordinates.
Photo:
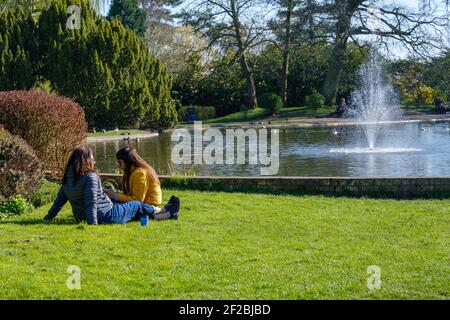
(158, 11)
(268, 64)
(437, 74)
(419, 31)
(232, 25)
(291, 15)
(283, 30)
(128, 12)
(16, 43)
(179, 49)
(293, 26)
(28, 6)
(174, 45)
(414, 79)
(223, 86)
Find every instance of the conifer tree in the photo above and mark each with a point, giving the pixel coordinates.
(104, 66)
(129, 13)
(16, 45)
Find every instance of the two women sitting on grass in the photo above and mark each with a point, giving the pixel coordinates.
(82, 187)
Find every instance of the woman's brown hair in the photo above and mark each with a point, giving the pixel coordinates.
(133, 159)
(80, 162)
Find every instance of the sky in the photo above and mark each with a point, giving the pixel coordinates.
(410, 3)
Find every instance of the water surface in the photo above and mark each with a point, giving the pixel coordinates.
(406, 149)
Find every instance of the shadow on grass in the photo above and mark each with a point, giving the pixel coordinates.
(39, 222)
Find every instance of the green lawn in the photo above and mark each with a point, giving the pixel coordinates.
(249, 115)
(307, 112)
(264, 114)
(112, 133)
(237, 246)
(260, 114)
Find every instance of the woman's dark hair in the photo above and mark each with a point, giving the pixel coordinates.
(132, 158)
(80, 162)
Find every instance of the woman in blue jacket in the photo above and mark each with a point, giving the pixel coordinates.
(82, 187)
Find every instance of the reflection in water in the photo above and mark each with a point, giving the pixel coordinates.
(375, 150)
(408, 149)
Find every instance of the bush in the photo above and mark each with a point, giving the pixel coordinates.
(52, 125)
(271, 101)
(42, 84)
(314, 100)
(418, 93)
(424, 94)
(441, 94)
(201, 113)
(17, 205)
(20, 168)
(45, 193)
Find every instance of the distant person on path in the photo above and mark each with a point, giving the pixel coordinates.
(342, 108)
(140, 183)
(439, 106)
(82, 187)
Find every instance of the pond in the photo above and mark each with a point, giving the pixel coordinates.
(402, 149)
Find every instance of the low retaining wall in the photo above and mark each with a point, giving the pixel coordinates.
(411, 187)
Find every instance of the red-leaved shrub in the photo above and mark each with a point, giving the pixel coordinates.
(52, 125)
(20, 168)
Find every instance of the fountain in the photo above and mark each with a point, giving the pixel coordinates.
(374, 104)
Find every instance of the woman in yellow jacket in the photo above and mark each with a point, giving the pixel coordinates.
(140, 183)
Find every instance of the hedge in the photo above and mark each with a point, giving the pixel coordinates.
(53, 126)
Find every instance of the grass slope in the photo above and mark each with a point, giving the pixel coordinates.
(236, 246)
(264, 114)
(260, 114)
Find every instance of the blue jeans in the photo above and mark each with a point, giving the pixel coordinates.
(122, 213)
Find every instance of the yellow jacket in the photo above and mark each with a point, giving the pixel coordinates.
(142, 188)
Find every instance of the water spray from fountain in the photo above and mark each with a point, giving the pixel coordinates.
(374, 102)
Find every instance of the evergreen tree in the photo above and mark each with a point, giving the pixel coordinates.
(16, 46)
(104, 66)
(129, 13)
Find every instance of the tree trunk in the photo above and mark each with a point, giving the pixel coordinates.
(251, 88)
(334, 72)
(286, 51)
(338, 57)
